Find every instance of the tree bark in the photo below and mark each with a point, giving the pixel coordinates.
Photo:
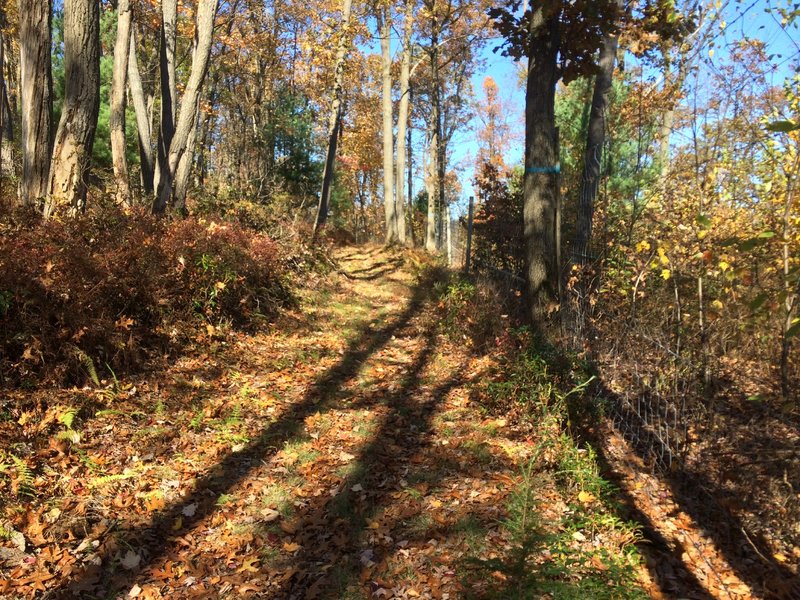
(187, 119)
(385, 28)
(169, 94)
(72, 151)
(435, 183)
(431, 187)
(36, 98)
(593, 157)
(185, 169)
(541, 162)
(118, 102)
(334, 120)
(142, 119)
(402, 123)
(6, 131)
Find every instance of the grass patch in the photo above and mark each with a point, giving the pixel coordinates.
(299, 452)
(480, 451)
(418, 526)
(582, 549)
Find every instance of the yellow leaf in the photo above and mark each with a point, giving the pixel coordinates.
(780, 557)
(291, 547)
(662, 256)
(666, 274)
(249, 564)
(717, 304)
(643, 246)
(178, 523)
(586, 497)
(723, 266)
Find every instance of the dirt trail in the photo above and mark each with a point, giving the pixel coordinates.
(336, 457)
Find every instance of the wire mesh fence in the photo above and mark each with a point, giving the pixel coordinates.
(659, 399)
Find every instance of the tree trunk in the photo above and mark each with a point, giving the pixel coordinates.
(434, 184)
(437, 146)
(187, 120)
(6, 131)
(541, 163)
(118, 102)
(334, 120)
(169, 94)
(402, 125)
(384, 19)
(593, 157)
(72, 151)
(185, 169)
(142, 119)
(410, 174)
(431, 188)
(36, 98)
(791, 289)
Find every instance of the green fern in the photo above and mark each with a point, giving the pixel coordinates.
(70, 435)
(107, 394)
(235, 418)
(67, 418)
(110, 393)
(197, 420)
(87, 363)
(110, 412)
(106, 479)
(25, 477)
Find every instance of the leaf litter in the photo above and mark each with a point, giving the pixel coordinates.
(340, 454)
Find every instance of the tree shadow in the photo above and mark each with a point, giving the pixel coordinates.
(153, 537)
(330, 529)
(701, 498)
(377, 270)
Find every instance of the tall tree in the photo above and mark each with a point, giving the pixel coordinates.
(36, 98)
(595, 139)
(168, 90)
(190, 103)
(494, 135)
(541, 158)
(6, 119)
(559, 40)
(402, 121)
(335, 117)
(72, 150)
(436, 153)
(118, 101)
(383, 16)
(452, 31)
(146, 159)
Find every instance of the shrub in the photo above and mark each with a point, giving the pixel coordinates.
(111, 285)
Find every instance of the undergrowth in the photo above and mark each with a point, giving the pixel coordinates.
(105, 290)
(568, 540)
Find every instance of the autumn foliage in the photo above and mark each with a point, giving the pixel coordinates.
(108, 288)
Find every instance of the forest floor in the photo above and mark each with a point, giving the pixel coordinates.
(340, 454)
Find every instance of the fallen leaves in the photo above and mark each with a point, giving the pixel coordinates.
(387, 484)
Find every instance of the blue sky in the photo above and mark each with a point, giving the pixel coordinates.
(742, 19)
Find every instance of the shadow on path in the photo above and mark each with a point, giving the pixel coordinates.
(331, 530)
(748, 555)
(153, 538)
